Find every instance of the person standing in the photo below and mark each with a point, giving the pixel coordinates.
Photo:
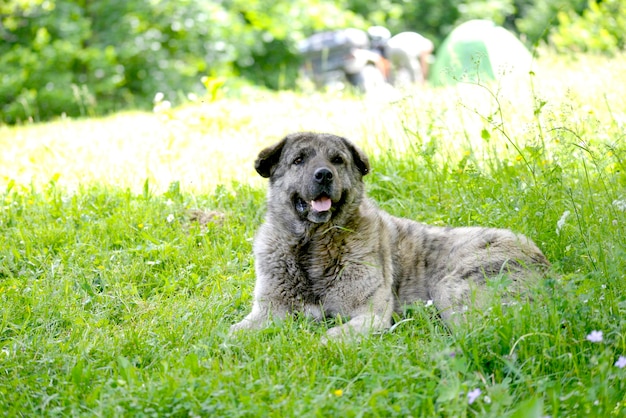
(410, 51)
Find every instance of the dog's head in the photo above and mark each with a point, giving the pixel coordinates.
(317, 175)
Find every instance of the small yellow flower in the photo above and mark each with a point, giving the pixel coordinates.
(140, 226)
(338, 392)
(518, 158)
(100, 267)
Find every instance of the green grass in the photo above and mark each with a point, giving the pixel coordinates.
(115, 302)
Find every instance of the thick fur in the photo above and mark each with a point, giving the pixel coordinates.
(354, 259)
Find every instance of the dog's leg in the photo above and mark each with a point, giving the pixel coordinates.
(359, 325)
(374, 315)
(261, 314)
(452, 296)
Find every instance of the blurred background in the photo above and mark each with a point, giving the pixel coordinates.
(94, 57)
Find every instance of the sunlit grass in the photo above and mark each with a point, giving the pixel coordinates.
(115, 301)
(206, 144)
(201, 145)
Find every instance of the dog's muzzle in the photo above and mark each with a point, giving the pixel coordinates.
(316, 203)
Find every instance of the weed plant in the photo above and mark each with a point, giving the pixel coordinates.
(116, 301)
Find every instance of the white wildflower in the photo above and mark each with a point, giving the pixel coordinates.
(620, 204)
(561, 222)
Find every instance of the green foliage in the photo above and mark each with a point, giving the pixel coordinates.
(536, 18)
(494, 10)
(103, 55)
(90, 58)
(37, 60)
(76, 58)
(600, 29)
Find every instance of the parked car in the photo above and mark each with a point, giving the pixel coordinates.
(333, 58)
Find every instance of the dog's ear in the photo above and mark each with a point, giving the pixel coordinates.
(268, 158)
(359, 157)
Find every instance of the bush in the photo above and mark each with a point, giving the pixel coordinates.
(38, 61)
(600, 29)
(69, 57)
(87, 58)
(536, 18)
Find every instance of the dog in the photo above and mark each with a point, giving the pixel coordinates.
(326, 250)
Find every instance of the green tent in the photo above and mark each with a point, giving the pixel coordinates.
(478, 51)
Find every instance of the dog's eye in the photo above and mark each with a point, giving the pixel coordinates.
(298, 161)
(337, 160)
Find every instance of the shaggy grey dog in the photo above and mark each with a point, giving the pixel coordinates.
(326, 249)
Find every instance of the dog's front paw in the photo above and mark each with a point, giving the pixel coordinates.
(242, 325)
(341, 333)
(357, 327)
(337, 333)
(252, 321)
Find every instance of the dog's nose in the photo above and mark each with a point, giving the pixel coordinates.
(323, 175)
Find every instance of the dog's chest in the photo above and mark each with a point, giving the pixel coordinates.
(321, 263)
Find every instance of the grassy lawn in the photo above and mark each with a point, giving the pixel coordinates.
(116, 299)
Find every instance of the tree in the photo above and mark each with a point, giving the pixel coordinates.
(79, 57)
(535, 19)
(600, 28)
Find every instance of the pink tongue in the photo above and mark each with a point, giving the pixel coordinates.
(321, 205)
